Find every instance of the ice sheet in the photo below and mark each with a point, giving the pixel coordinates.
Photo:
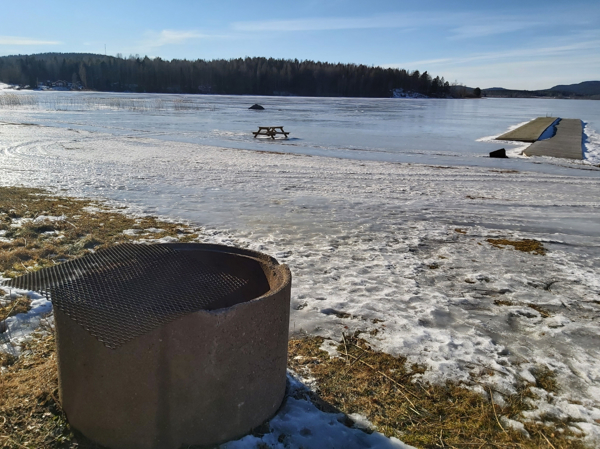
(394, 130)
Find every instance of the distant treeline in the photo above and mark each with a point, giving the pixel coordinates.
(546, 93)
(247, 76)
(584, 90)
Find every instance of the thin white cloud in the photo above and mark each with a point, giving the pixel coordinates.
(531, 75)
(422, 62)
(526, 68)
(335, 23)
(489, 29)
(532, 53)
(13, 40)
(457, 25)
(173, 37)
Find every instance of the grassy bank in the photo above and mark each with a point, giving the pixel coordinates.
(39, 229)
(387, 391)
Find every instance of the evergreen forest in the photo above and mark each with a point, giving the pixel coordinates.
(242, 76)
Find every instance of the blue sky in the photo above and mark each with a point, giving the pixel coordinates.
(514, 44)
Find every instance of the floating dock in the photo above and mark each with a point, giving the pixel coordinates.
(529, 132)
(551, 136)
(566, 143)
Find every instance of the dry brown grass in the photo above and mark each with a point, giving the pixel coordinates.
(385, 390)
(19, 305)
(541, 310)
(503, 302)
(30, 414)
(374, 384)
(545, 379)
(526, 245)
(41, 243)
(471, 197)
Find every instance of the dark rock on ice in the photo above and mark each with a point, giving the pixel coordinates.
(499, 153)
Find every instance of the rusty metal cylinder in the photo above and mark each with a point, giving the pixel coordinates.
(201, 379)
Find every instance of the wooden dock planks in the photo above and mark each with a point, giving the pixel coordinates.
(566, 143)
(529, 132)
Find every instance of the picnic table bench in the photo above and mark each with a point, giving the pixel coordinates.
(270, 131)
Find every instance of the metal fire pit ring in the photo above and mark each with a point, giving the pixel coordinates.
(191, 374)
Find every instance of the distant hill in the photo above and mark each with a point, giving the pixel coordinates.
(585, 90)
(49, 56)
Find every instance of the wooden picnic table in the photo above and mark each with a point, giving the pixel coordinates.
(270, 131)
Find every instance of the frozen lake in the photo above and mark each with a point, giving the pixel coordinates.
(395, 130)
(365, 209)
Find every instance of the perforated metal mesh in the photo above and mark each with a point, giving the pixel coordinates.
(122, 292)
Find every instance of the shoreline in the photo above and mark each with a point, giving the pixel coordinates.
(419, 259)
(349, 139)
(408, 96)
(78, 224)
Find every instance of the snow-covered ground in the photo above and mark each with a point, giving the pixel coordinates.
(591, 145)
(373, 245)
(305, 426)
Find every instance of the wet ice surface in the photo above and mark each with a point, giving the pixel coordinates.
(373, 245)
(394, 130)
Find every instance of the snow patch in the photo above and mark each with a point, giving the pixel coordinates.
(41, 218)
(330, 347)
(18, 327)
(299, 424)
(401, 93)
(515, 425)
(591, 145)
(154, 230)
